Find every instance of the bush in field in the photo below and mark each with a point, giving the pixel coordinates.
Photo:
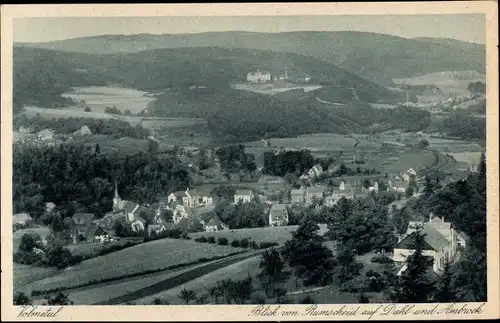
(244, 243)
(223, 241)
(264, 245)
(211, 239)
(159, 301)
(202, 239)
(254, 245)
(58, 299)
(235, 243)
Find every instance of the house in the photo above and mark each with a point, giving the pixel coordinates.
(406, 177)
(46, 134)
(338, 194)
(462, 239)
(441, 242)
(83, 225)
(278, 215)
(397, 185)
(134, 214)
(329, 200)
(201, 196)
(49, 207)
(314, 193)
(159, 227)
(304, 176)
(259, 77)
(83, 131)
(181, 197)
(297, 196)
(24, 130)
(315, 171)
(109, 220)
(179, 213)
(411, 172)
(21, 219)
(374, 188)
(243, 196)
(100, 235)
(211, 223)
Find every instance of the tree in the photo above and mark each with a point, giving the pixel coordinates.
(87, 109)
(429, 186)
(215, 292)
(153, 146)
(312, 261)
(21, 298)
(414, 286)
(29, 241)
(363, 299)
(242, 290)
(58, 299)
(424, 143)
(202, 299)
(59, 257)
(127, 112)
(271, 265)
(159, 301)
(482, 165)
(409, 191)
(444, 290)
(187, 295)
(347, 268)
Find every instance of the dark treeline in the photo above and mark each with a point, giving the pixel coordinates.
(465, 126)
(477, 87)
(293, 162)
(233, 159)
(80, 179)
(113, 127)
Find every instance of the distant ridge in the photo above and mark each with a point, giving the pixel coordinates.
(373, 56)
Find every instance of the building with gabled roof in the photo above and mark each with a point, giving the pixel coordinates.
(278, 215)
(243, 196)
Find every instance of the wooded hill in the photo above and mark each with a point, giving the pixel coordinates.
(376, 57)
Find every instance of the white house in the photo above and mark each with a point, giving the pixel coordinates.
(243, 196)
(213, 224)
(182, 197)
(374, 188)
(259, 77)
(278, 215)
(314, 193)
(315, 171)
(441, 242)
(21, 218)
(179, 213)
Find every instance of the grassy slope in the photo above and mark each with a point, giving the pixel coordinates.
(374, 56)
(147, 256)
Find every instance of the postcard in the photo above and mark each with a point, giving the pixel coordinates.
(250, 162)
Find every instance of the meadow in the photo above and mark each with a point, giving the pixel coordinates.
(150, 256)
(272, 89)
(100, 97)
(279, 235)
(26, 274)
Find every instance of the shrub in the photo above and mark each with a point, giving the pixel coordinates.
(244, 243)
(254, 245)
(235, 243)
(223, 241)
(307, 300)
(381, 259)
(355, 285)
(264, 245)
(258, 298)
(87, 109)
(203, 239)
(211, 239)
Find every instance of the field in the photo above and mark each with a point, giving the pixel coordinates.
(472, 158)
(100, 97)
(453, 146)
(272, 89)
(17, 235)
(26, 274)
(447, 82)
(32, 111)
(154, 255)
(279, 235)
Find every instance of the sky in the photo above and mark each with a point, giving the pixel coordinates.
(465, 27)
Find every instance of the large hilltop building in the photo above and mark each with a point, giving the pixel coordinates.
(258, 77)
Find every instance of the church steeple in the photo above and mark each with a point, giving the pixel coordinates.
(116, 199)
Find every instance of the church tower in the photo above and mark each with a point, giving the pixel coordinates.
(116, 199)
